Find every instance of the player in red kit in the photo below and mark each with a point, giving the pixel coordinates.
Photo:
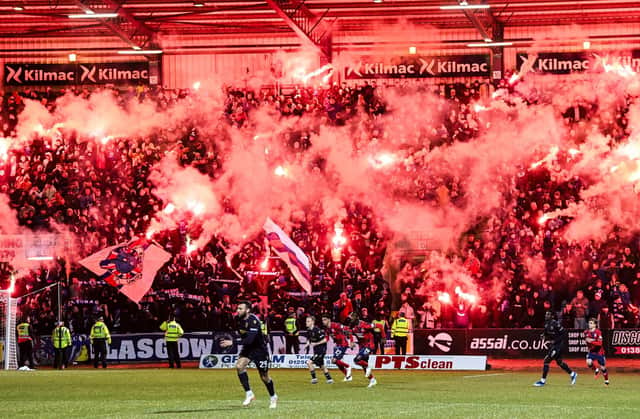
(364, 332)
(593, 337)
(338, 332)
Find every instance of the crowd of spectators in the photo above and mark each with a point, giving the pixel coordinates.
(102, 193)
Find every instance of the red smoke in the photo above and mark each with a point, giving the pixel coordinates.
(380, 161)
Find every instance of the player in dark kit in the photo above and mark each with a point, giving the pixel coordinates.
(254, 349)
(338, 332)
(364, 332)
(593, 337)
(554, 331)
(318, 341)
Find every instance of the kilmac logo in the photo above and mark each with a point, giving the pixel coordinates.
(380, 68)
(554, 64)
(18, 74)
(88, 73)
(421, 67)
(107, 74)
(64, 74)
(442, 341)
(14, 74)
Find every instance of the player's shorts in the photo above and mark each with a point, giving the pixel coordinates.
(259, 357)
(339, 351)
(555, 353)
(597, 357)
(363, 354)
(318, 360)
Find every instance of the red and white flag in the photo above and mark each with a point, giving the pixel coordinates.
(290, 253)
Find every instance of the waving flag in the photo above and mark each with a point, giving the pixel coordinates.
(290, 253)
(130, 267)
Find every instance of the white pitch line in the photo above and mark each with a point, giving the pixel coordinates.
(485, 375)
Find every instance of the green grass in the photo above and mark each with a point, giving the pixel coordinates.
(187, 393)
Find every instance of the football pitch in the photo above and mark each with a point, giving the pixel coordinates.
(164, 393)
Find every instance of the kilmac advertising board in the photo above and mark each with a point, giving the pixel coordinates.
(472, 65)
(578, 62)
(22, 74)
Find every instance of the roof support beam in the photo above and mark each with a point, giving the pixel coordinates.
(485, 32)
(125, 26)
(311, 29)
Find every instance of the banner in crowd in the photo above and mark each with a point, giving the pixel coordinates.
(494, 342)
(469, 65)
(290, 253)
(170, 294)
(21, 249)
(23, 74)
(577, 62)
(385, 362)
(131, 267)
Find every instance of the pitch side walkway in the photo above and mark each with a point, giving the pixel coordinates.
(614, 364)
(514, 364)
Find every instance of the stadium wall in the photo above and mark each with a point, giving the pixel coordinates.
(268, 59)
(496, 343)
(250, 59)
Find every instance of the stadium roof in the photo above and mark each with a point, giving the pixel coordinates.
(49, 18)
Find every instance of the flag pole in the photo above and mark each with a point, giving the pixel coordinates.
(59, 303)
(39, 290)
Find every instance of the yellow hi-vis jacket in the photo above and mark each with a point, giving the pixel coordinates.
(290, 326)
(61, 337)
(99, 330)
(400, 328)
(23, 332)
(172, 331)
